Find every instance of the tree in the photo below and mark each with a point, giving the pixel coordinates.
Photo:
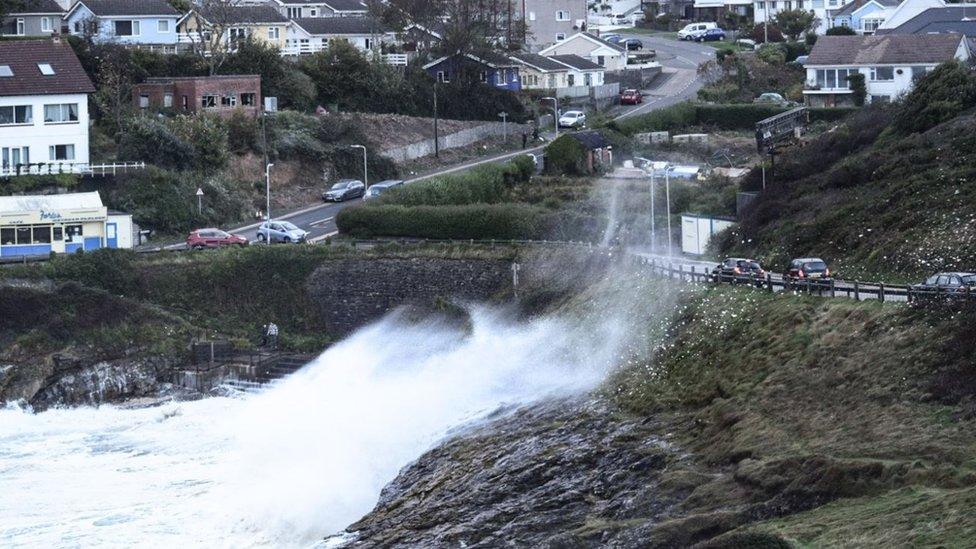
(759, 33)
(941, 95)
(208, 27)
(859, 89)
(840, 31)
(796, 22)
(10, 6)
(114, 76)
(465, 26)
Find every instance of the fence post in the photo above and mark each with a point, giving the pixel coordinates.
(833, 291)
(881, 292)
(857, 291)
(694, 276)
(908, 293)
(769, 282)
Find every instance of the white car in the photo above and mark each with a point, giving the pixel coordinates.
(693, 29)
(572, 119)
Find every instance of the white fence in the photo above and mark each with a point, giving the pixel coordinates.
(77, 168)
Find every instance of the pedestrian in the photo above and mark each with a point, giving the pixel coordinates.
(525, 138)
(264, 336)
(535, 132)
(273, 336)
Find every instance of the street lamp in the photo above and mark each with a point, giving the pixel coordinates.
(653, 228)
(267, 190)
(365, 173)
(555, 112)
(667, 197)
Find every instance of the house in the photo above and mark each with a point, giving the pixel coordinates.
(550, 21)
(681, 9)
(134, 22)
(491, 68)
(32, 18)
(864, 16)
(582, 72)
(959, 19)
(889, 63)
(223, 95)
(420, 38)
(764, 10)
(715, 10)
(43, 107)
(234, 23)
(304, 9)
(311, 35)
(908, 10)
(539, 72)
(609, 56)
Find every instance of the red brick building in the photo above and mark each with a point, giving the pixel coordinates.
(222, 95)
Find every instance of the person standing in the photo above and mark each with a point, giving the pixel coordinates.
(264, 336)
(273, 336)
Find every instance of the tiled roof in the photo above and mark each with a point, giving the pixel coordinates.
(942, 20)
(336, 5)
(851, 7)
(604, 42)
(245, 14)
(36, 6)
(886, 49)
(492, 59)
(23, 56)
(340, 25)
(109, 8)
(577, 62)
(539, 62)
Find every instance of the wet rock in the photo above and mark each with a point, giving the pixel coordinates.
(75, 383)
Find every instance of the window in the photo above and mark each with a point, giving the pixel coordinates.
(162, 26)
(58, 234)
(762, 6)
(882, 74)
(560, 36)
(62, 152)
(167, 100)
(46, 24)
(126, 28)
(368, 42)
(248, 99)
(46, 69)
(74, 233)
(11, 157)
(294, 13)
(228, 100)
(208, 101)
(313, 12)
(484, 76)
(571, 80)
(601, 60)
(871, 25)
(237, 34)
(829, 79)
(23, 235)
(185, 102)
(443, 77)
(21, 27)
(273, 33)
(143, 102)
(5, 71)
(68, 112)
(8, 236)
(16, 114)
(562, 15)
(531, 16)
(42, 234)
(880, 99)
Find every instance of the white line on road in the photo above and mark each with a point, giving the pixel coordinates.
(321, 221)
(318, 239)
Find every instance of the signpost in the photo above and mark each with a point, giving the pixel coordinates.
(200, 201)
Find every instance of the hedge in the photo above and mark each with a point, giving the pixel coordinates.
(484, 184)
(468, 221)
(726, 117)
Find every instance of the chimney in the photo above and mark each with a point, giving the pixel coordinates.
(56, 37)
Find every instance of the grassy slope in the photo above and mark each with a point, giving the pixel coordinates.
(844, 418)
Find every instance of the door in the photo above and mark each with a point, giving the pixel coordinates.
(112, 235)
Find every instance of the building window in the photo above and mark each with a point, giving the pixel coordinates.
(762, 6)
(61, 152)
(162, 26)
(167, 100)
(484, 77)
(443, 77)
(248, 99)
(880, 99)
(16, 114)
(61, 113)
(562, 15)
(601, 60)
(58, 234)
(41, 234)
(10, 157)
(208, 101)
(237, 34)
(294, 13)
(560, 36)
(228, 100)
(185, 102)
(313, 12)
(74, 233)
(46, 69)
(127, 28)
(829, 79)
(531, 16)
(46, 24)
(21, 27)
(882, 74)
(870, 25)
(143, 101)
(273, 33)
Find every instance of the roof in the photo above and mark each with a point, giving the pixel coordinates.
(112, 8)
(851, 7)
(245, 14)
(886, 49)
(538, 62)
(487, 58)
(590, 139)
(36, 6)
(595, 40)
(939, 20)
(602, 41)
(73, 201)
(577, 62)
(23, 56)
(340, 25)
(336, 5)
(171, 79)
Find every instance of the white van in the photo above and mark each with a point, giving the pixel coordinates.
(693, 29)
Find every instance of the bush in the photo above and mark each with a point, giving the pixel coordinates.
(179, 143)
(773, 54)
(840, 31)
(795, 49)
(758, 34)
(939, 96)
(467, 221)
(565, 156)
(858, 87)
(677, 116)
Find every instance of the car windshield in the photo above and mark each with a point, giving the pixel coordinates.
(969, 280)
(814, 266)
(288, 226)
(339, 186)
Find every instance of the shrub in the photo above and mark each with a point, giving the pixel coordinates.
(773, 54)
(939, 96)
(179, 143)
(723, 53)
(243, 133)
(759, 35)
(467, 221)
(671, 118)
(794, 50)
(565, 156)
(859, 89)
(840, 31)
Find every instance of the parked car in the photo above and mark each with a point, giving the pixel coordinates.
(807, 268)
(739, 270)
(281, 231)
(376, 189)
(612, 38)
(710, 35)
(691, 29)
(949, 285)
(631, 97)
(801, 60)
(572, 119)
(632, 44)
(771, 98)
(213, 238)
(344, 190)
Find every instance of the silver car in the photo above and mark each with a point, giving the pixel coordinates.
(281, 231)
(376, 189)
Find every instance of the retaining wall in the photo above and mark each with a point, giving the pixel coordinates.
(453, 140)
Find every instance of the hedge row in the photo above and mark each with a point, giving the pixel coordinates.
(727, 117)
(466, 221)
(485, 184)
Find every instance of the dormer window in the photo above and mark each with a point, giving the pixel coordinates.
(46, 69)
(5, 71)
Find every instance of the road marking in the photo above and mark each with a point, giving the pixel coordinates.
(318, 239)
(321, 221)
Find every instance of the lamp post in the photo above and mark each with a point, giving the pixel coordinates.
(555, 112)
(267, 190)
(504, 116)
(437, 149)
(199, 201)
(365, 172)
(667, 198)
(653, 236)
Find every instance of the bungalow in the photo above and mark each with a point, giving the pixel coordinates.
(314, 34)
(540, 73)
(224, 94)
(582, 72)
(32, 18)
(303, 9)
(864, 16)
(609, 56)
(150, 22)
(889, 63)
(234, 23)
(492, 68)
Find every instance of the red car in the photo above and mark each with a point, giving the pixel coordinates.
(631, 97)
(213, 238)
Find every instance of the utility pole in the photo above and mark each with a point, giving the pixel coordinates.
(653, 228)
(504, 117)
(437, 148)
(555, 112)
(365, 168)
(267, 190)
(667, 198)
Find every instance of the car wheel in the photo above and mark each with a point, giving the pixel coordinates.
(197, 247)
(261, 237)
(721, 38)
(286, 240)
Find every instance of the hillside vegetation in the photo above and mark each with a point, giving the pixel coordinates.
(886, 192)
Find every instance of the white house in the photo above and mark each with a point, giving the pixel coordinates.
(582, 72)
(864, 16)
(313, 34)
(43, 108)
(303, 9)
(889, 63)
(822, 10)
(539, 72)
(908, 10)
(150, 22)
(609, 56)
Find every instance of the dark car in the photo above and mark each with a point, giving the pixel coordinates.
(739, 270)
(213, 238)
(377, 189)
(710, 35)
(948, 285)
(345, 189)
(631, 97)
(632, 44)
(807, 268)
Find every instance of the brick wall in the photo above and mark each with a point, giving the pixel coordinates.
(193, 90)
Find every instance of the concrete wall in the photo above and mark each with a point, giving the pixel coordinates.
(450, 141)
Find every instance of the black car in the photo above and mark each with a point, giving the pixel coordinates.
(807, 268)
(738, 270)
(632, 44)
(345, 189)
(949, 285)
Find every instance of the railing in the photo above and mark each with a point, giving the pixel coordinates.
(78, 168)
